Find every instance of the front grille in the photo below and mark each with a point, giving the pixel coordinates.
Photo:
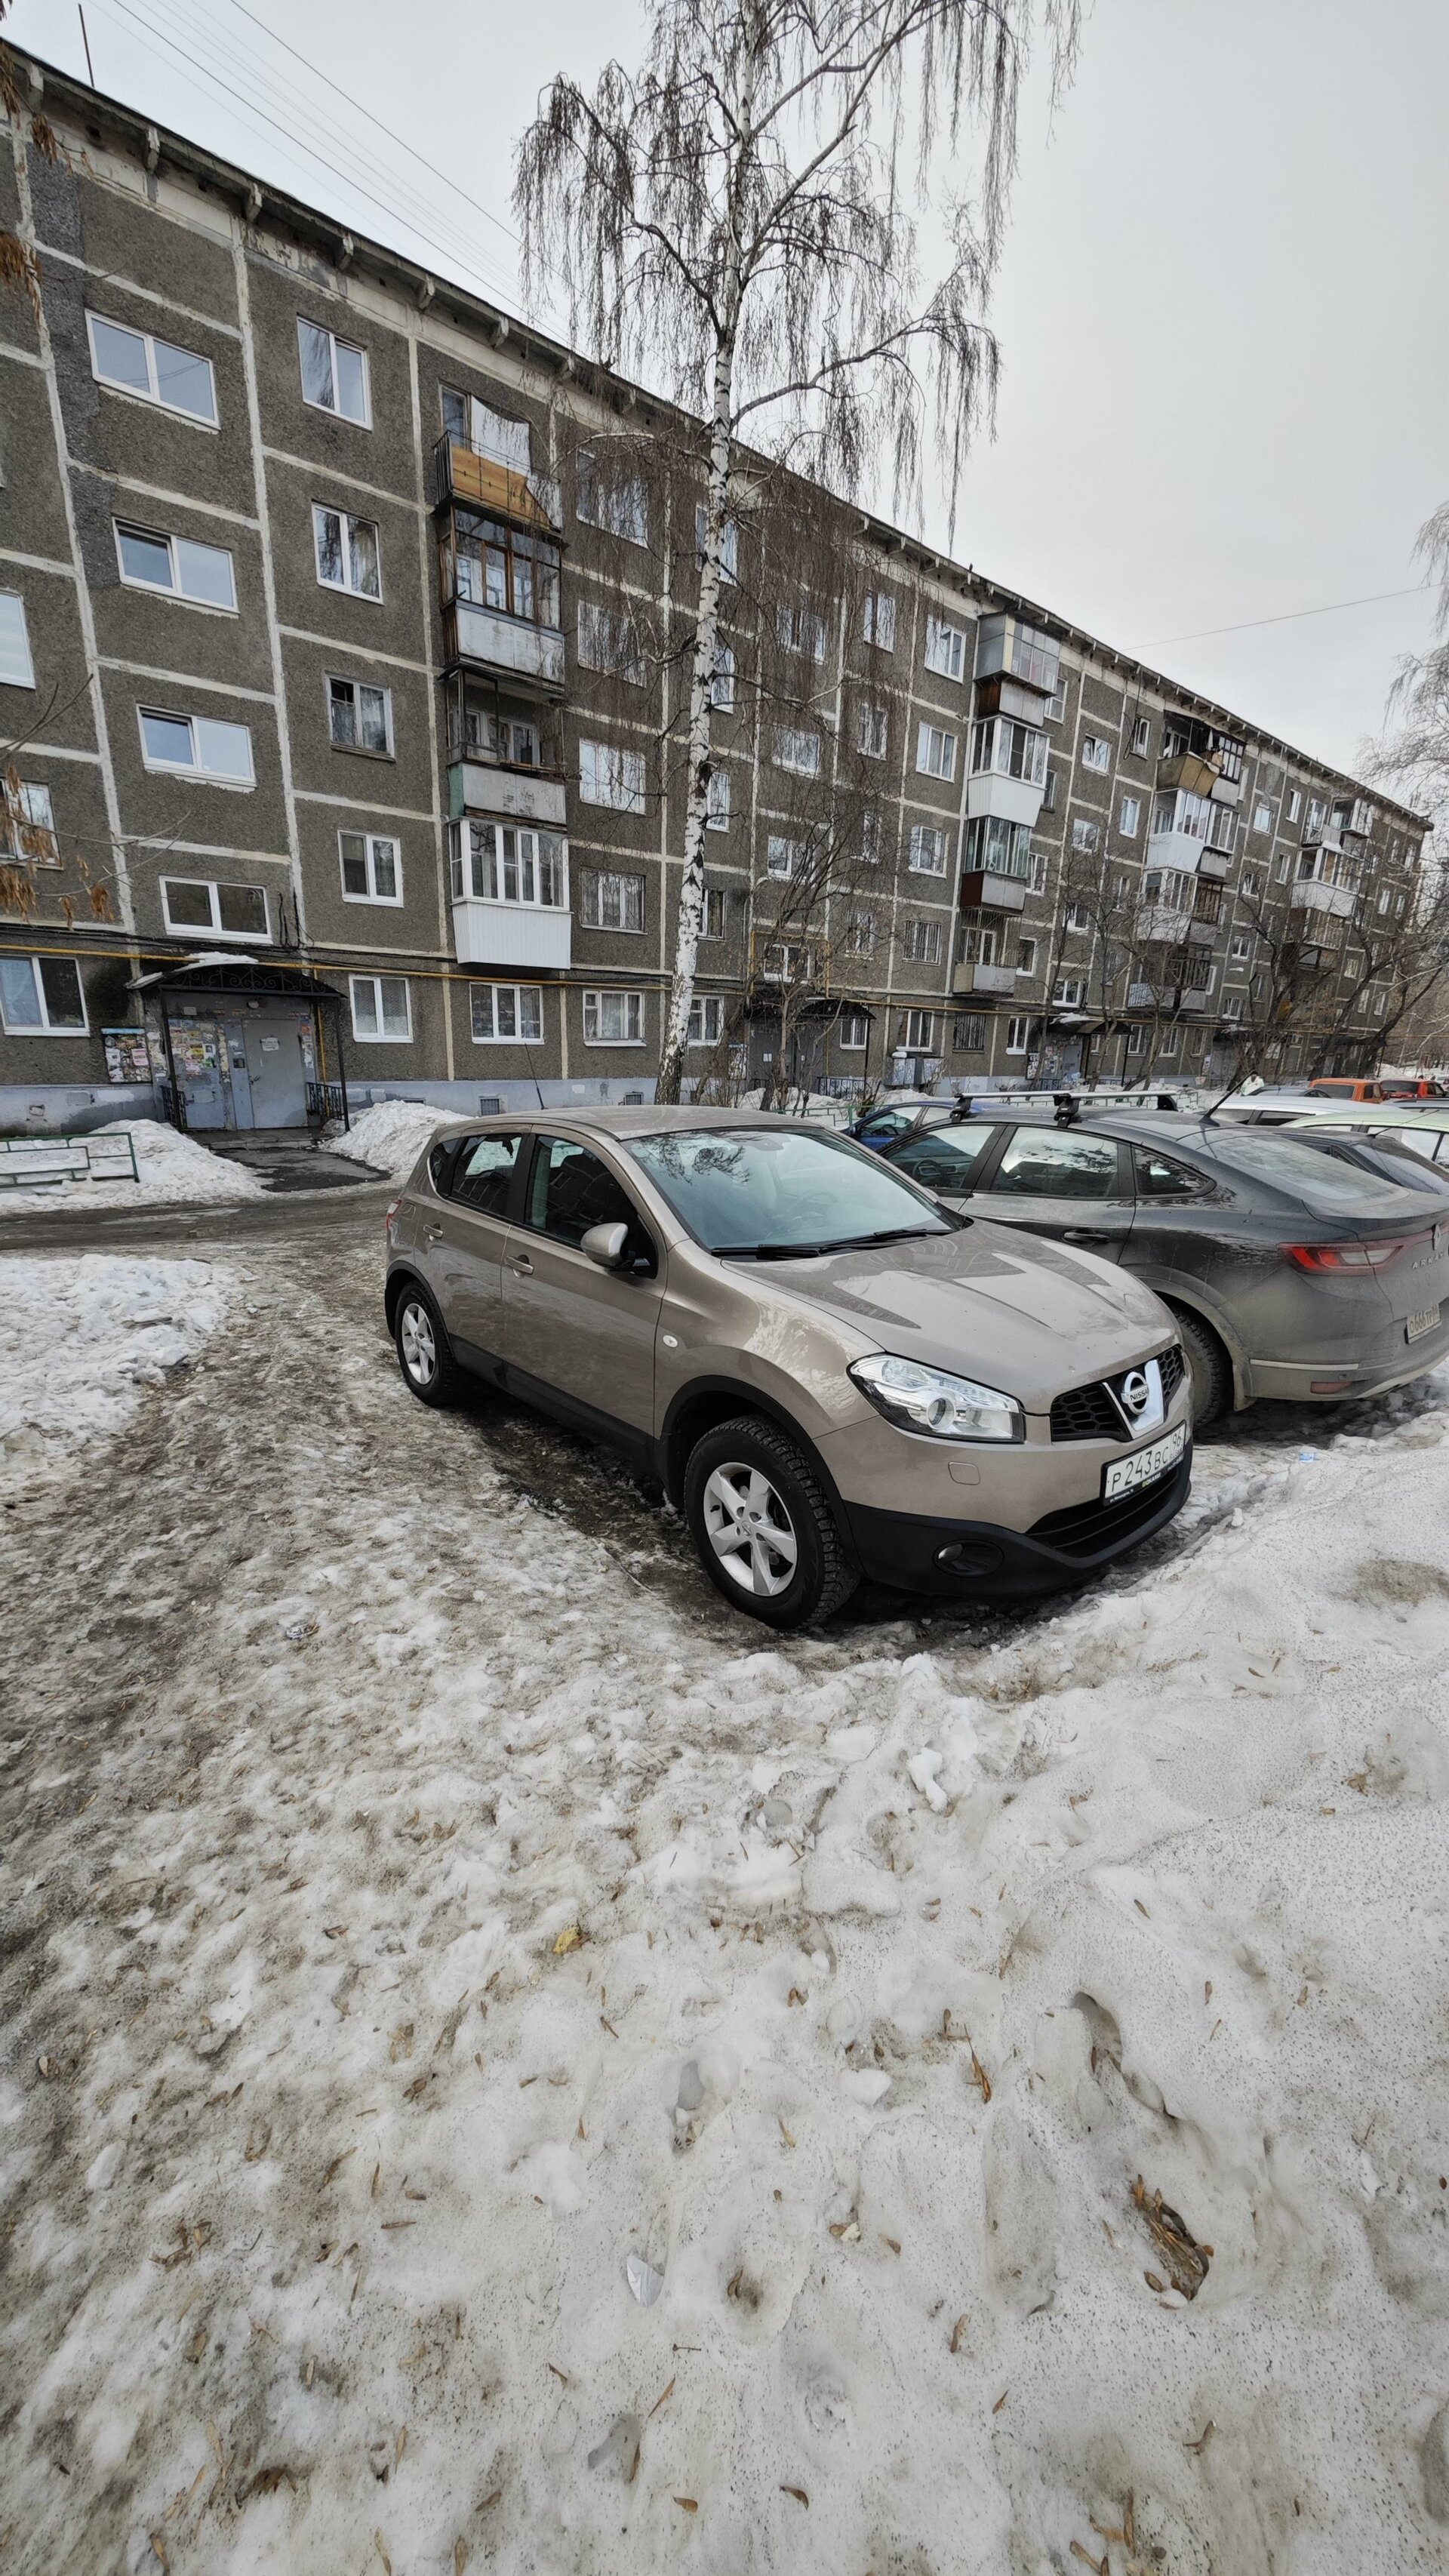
(1086, 1413)
(1092, 1413)
(1087, 1529)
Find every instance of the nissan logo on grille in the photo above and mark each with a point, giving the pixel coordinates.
(1135, 1393)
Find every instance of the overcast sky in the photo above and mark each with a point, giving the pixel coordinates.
(1222, 307)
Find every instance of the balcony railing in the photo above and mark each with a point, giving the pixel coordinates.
(991, 890)
(485, 483)
(1312, 895)
(975, 976)
(486, 787)
(1168, 923)
(489, 641)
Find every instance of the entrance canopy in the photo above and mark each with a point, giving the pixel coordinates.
(246, 1044)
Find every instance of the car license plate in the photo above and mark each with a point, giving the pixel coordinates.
(1126, 1474)
(1418, 1325)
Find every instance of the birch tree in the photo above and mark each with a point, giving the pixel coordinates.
(743, 224)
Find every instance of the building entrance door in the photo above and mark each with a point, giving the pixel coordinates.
(273, 1054)
(199, 1052)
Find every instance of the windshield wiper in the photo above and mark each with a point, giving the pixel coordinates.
(812, 1251)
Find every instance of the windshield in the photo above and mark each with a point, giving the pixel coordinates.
(1318, 1180)
(746, 1189)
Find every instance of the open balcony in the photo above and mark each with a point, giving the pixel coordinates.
(485, 639)
(987, 890)
(976, 976)
(1167, 924)
(461, 474)
(1202, 759)
(525, 795)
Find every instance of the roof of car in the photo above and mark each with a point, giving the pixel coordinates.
(645, 1120)
(1430, 1114)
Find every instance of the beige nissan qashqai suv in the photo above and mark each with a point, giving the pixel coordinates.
(832, 1376)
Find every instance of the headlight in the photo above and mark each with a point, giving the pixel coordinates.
(930, 1400)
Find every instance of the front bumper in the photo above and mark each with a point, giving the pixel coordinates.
(959, 1559)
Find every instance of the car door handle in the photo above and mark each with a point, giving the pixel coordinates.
(519, 1263)
(432, 1234)
(1085, 1234)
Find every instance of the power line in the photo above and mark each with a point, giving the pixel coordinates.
(348, 177)
(420, 157)
(1288, 617)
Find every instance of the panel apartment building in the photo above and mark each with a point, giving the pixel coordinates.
(313, 778)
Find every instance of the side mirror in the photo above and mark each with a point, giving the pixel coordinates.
(605, 1245)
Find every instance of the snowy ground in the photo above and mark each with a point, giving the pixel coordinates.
(171, 1169)
(80, 1340)
(390, 1135)
(507, 2066)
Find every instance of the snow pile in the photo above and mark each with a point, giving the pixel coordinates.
(519, 2068)
(391, 1135)
(79, 1340)
(172, 1168)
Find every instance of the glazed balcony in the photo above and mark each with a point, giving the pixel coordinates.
(515, 648)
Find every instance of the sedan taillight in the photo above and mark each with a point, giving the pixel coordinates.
(392, 1211)
(1341, 1258)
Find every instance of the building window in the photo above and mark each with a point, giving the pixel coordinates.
(880, 620)
(1136, 1039)
(1018, 1031)
(717, 801)
(936, 752)
(801, 630)
(613, 1019)
(783, 857)
(1085, 836)
(1315, 819)
(1096, 751)
(41, 997)
(871, 731)
(1141, 736)
(1026, 956)
(1069, 992)
(506, 1014)
(712, 913)
(1242, 947)
(1038, 872)
(783, 961)
(381, 1009)
(611, 900)
(729, 543)
(1129, 819)
(197, 745)
(1295, 804)
(515, 741)
(1049, 793)
(798, 751)
(1056, 706)
(852, 1030)
(501, 569)
(1249, 883)
(930, 849)
(474, 424)
(334, 374)
(922, 943)
(1167, 1044)
(619, 506)
(859, 939)
(608, 641)
(1285, 866)
(155, 371)
(968, 1037)
(189, 903)
(17, 671)
(609, 775)
(503, 863)
(359, 717)
(920, 1032)
(1232, 1006)
(1078, 917)
(371, 867)
(869, 851)
(1262, 815)
(945, 649)
(722, 685)
(205, 575)
(29, 824)
(706, 1020)
(347, 552)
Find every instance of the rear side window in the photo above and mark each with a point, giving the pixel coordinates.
(1159, 1177)
(1040, 1162)
(570, 1190)
(483, 1173)
(944, 1162)
(1317, 1180)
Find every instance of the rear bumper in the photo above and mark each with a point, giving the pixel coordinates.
(960, 1559)
(1293, 1381)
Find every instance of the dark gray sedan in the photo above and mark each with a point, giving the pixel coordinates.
(1292, 1273)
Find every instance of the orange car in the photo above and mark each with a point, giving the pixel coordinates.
(1343, 1087)
(1413, 1087)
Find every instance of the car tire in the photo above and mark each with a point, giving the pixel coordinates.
(424, 1352)
(747, 1480)
(1209, 1368)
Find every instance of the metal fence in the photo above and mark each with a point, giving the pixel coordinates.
(45, 1162)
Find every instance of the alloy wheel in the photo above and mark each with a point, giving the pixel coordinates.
(418, 1344)
(750, 1530)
